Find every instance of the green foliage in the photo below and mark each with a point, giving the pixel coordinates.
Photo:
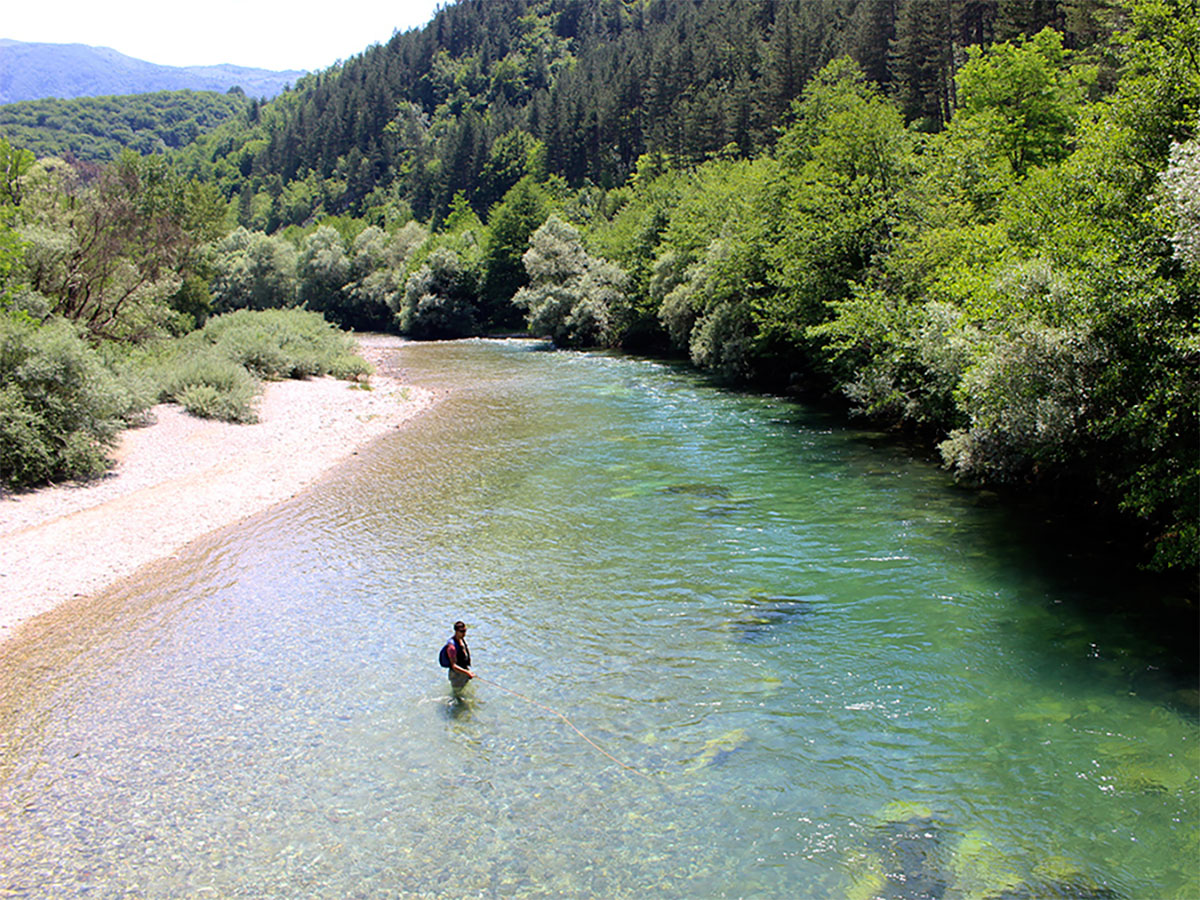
(323, 270)
(14, 165)
(510, 224)
(837, 204)
(97, 129)
(111, 251)
(60, 407)
(215, 372)
(252, 270)
(378, 265)
(211, 385)
(1024, 97)
(439, 299)
(580, 89)
(279, 343)
(572, 297)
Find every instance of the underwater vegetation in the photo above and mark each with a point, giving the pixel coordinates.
(912, 855)
(697, 489)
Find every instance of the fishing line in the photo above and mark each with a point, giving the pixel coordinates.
(560, 715)
(570, 724)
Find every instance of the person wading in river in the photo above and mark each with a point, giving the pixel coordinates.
(459, 656)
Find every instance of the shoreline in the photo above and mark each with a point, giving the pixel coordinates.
(181, 477)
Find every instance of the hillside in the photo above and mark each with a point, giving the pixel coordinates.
(98, 128)
(32, 71)
(457, 106)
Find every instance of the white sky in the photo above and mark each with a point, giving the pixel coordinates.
(266, 34)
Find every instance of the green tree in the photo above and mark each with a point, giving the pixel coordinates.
(572, 296)
(836, 206)
(1025, 97)
(253, 270)
(439, 299)
(111, 253)
(322, 271)
(510, 225)
(14, 166)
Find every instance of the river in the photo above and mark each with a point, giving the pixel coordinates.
(732, 649)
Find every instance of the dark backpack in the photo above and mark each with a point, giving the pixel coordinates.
(444, 657)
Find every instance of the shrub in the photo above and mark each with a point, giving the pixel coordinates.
(60, 408)
(210, 385)
(282, 343)
(208, 402)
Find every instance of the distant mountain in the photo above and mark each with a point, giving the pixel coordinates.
(30, 71)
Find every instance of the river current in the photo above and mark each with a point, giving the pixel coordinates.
(801, 663)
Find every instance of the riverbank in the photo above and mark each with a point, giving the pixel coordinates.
(181, 477)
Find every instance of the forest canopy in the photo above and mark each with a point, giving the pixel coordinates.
(97, 129)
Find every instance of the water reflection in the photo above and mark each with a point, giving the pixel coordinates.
(836, 669)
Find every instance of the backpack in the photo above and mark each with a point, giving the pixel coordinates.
(444, 657)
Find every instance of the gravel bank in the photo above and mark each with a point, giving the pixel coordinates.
(181, 477)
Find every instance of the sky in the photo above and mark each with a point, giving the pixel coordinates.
(264, 34)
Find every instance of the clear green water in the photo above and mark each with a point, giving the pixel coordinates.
(796, 632)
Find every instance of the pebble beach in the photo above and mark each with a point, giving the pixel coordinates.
(180, 477)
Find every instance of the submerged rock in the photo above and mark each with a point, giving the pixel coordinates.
(761, 615)
(697, 489)
(909, 858)
(718, 750)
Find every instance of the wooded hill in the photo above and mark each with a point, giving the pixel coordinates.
(458, 105)
(97, 129)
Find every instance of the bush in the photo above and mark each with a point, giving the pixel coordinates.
(283, 343)
(215, 372)
(210, 385)
(60, 408)
(208, 402)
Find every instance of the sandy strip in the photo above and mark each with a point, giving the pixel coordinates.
(182, 477)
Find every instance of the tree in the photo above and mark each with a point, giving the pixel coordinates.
(111, 250)
(572, 295)
(835, 207)
(378, 268)
(511, 157)
(14, 165)
(252, 270)
(510, 224)
(322, 271)
(439, 299)
(1025, 97)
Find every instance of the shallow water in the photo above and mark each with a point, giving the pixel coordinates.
(823, 672)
